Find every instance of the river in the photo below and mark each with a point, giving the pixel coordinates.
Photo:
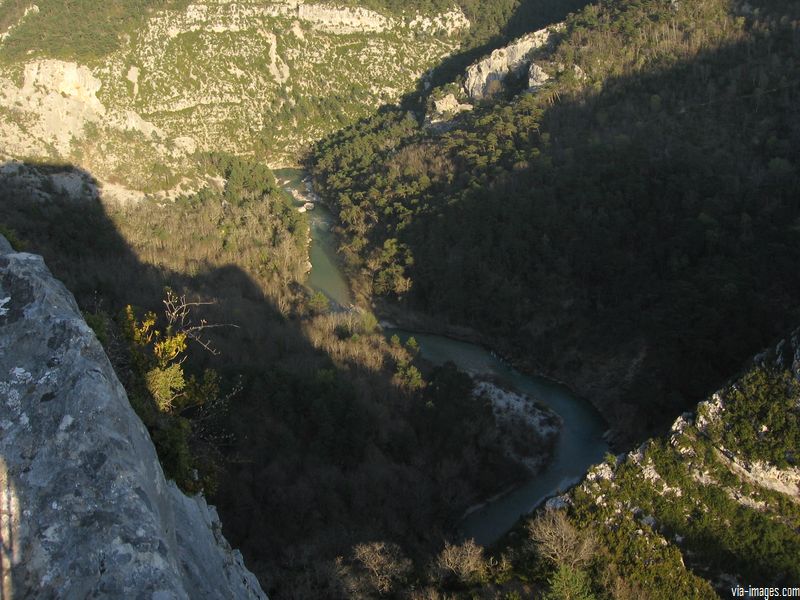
(580, 443)
(324, 276)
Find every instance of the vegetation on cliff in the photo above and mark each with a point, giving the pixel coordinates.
(62, 30)
(157, 80)
(683, 516)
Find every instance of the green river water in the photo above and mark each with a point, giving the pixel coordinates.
(324, 276)
(580, 443)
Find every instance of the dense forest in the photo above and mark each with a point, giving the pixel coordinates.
(313, 433)
(633, 224)
(631, 228)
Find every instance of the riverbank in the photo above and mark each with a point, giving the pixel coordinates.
(579, 444)
(585, 369)
(556, 460)
(324, 273)
(529, 429)
(585, 383)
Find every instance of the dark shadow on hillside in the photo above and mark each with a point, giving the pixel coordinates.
(536, 14)
(653, 231)
(646, 253)
(57, 211)
(322, 456)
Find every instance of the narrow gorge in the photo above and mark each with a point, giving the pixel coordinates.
(421, 296)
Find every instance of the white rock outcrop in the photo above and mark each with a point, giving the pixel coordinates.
(528, 431)
(600, 472)
(501, 63)
(446, 108)
(342, 20)
(786, 480)
(54, 106)
(579, 73)
(537, 77)
(133, 77)
(85, 509)
(56, 102)
(450, 22)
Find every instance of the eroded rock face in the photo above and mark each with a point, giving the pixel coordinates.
(537, 77)
(62, 94)
(85, 509)
(446, 108)
(503, 62)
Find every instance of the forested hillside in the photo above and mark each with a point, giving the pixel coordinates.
(631, 227)
(312, 433)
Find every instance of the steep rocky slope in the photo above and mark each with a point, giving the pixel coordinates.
(239, 75)
(86, 511)
(488, 78)
(709, 510)
(719, 497)
(512, 59)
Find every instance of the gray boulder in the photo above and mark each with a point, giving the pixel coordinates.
(85, 510)
(537, 77)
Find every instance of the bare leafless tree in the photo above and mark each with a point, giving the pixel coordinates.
(464, 562)
(559, 541)
(385, 564)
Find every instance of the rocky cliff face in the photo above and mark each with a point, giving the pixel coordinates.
(240, 76)
(512, 59)
(446, 108)
(85, 510)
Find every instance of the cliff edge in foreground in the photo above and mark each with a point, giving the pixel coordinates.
(85, 510)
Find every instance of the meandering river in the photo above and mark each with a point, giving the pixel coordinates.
(580, 444)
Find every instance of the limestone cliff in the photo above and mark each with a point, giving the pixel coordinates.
(512, 59)
(446, 108)
(236, 75)
(85, 510)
